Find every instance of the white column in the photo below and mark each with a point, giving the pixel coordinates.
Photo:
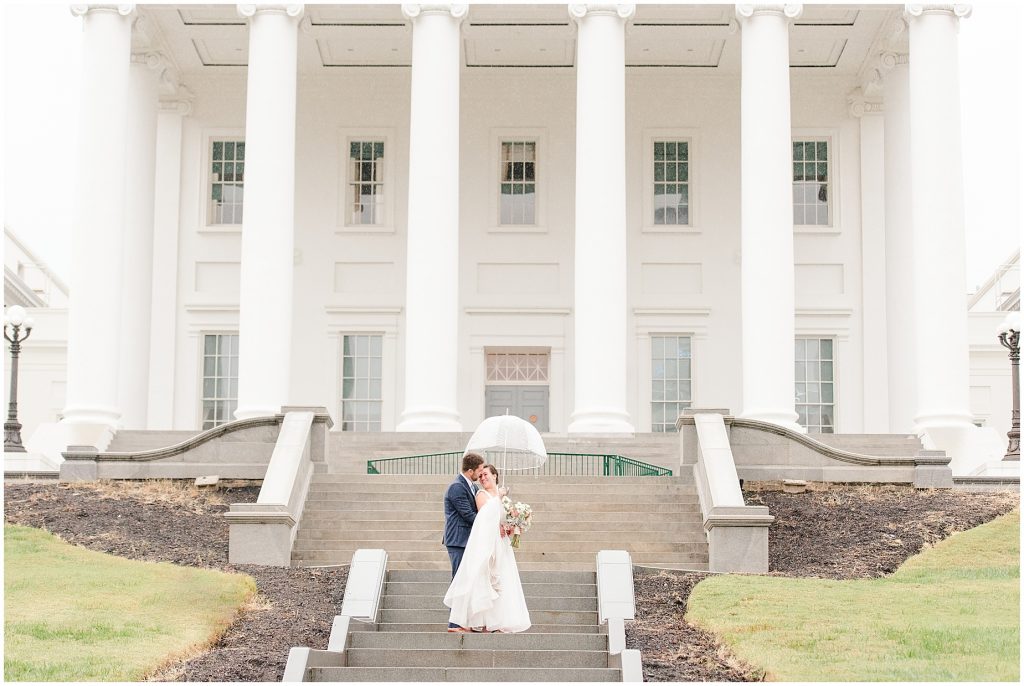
(137, 279)
(899, 247)
(766, 208)
(940, 305)
(94, 310)
(600, 298)
(432, 258)
(873, 292)
(268, 213)
(164, 314)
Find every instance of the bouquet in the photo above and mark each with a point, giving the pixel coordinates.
(518, 516)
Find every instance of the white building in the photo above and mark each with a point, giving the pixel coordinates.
(593, 216)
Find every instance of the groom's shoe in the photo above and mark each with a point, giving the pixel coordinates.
(456, 629)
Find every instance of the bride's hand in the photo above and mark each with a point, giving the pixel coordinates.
(503, 491)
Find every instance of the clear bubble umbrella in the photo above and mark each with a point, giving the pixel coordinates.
(508, 442)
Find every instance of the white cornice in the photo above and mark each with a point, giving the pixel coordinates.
(624, 11)
(790, 11)
(414, 11)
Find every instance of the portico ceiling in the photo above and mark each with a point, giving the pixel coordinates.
(209, 39)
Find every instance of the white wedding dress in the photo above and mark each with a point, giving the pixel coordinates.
(486, 591)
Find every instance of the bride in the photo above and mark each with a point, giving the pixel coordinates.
(486, 591)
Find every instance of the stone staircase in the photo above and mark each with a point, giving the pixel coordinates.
(656, 519)
(411, 644)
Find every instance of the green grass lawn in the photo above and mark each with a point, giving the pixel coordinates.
(950, 613)
(71, 614)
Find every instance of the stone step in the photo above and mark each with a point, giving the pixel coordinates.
(434, 506)
(500, 659)
(530, 590)
(485, 675)
(689, 514)
(546, 577)
(555, 631)
(423, 640)
(536, 500)
(528, 549)
(688, 564)
(581, 558)
(517, 480)
(396, 528)
(436, 616)
(538, 533)
(133, 440)
(545, 604)
(520, 491)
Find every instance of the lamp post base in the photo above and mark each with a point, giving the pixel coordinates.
(12, 438)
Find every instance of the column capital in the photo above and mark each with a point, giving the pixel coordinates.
(150, 58)
(181, 105)
(959, 11)
(862, 105)
(124, 9)
(791, 11)
(624, 11)
(457, 11)
(251, 10)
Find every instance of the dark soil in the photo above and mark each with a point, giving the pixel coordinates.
(842, 532)
(168, 522)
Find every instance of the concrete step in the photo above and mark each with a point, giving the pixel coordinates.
(520, 491)
(438, 616)
(426, 674)
(545, 604)
(423, 640)
(641, 518)
(537, 534)
(530, 590)
(136, 440)
(581, 559)
(536, 500)
(517, 480)
(434, 506)
(557, 631)
(500, 659)
(689, 564)
(384, 528)
(545, 577)
(528, 548)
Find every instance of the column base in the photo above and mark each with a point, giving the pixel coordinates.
(257, 411)
(91, 415)
(429, 419)
(784, 418)
(600, 422)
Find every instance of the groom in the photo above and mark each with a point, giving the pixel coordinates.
(459, 513)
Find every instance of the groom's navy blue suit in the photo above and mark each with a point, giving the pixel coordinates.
(459, 513)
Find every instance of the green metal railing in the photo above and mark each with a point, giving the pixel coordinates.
(558, 464)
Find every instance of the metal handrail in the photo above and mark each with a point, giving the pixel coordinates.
(558, 464)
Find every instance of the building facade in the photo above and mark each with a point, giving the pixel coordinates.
(593, 216)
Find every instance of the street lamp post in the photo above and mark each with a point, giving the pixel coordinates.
(20, 327)
(1009, 336)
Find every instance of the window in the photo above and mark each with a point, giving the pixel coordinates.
(227, 179)
(366, 182)
(811, 180)
(361, 383)
(517, 368)
(815, 385)
(518, 182)
(671, 380)
(220, 378)
(672, 183)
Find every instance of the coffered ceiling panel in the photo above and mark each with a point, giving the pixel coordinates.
(674, 45)
(353, 45)
(534, 45)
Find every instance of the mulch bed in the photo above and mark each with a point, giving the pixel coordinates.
(180, 524)
(842, 532)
